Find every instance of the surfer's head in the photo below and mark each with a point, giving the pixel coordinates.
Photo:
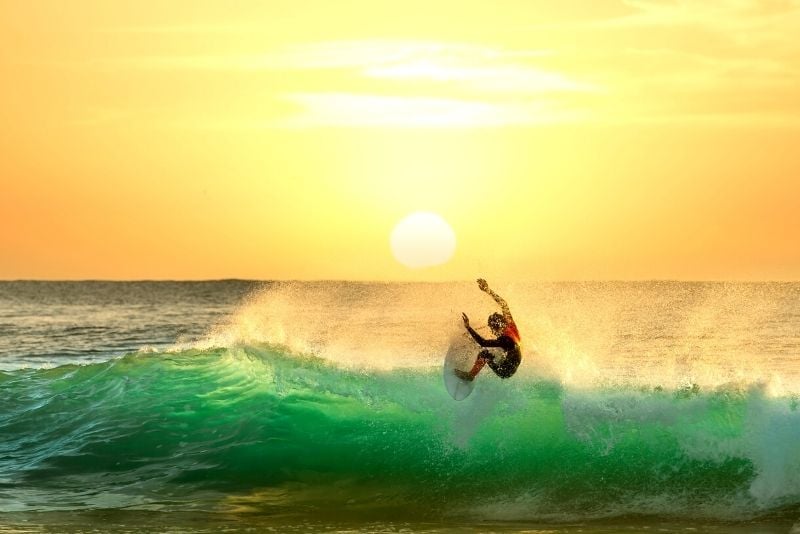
(497, 323)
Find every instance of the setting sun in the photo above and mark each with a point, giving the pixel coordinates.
(423, 239)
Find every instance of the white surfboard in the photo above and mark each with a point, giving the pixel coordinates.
(461, 355)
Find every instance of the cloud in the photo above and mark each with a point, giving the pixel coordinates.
(709, 60)
(183, 29)
(365, 110)
(490, 74)
(381, 59)
(653, 61)
(419, 83)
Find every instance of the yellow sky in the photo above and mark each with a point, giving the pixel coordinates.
(632, 139)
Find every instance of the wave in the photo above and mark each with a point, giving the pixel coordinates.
(259, 428)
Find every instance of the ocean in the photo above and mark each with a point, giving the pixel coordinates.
(241, 406)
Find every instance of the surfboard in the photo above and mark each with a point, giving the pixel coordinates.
(461, 354)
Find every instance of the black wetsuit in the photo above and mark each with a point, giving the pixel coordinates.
(508, 366)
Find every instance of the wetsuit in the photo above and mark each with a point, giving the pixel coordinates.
(508, 341)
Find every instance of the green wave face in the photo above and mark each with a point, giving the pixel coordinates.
(257, 429)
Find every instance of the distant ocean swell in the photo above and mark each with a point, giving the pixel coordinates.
(257, 428)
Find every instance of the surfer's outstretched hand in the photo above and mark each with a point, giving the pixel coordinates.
(483, 285)
(466, 319)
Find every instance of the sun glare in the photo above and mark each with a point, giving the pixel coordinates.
(422, 239)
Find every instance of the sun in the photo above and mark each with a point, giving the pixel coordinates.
(422, 239)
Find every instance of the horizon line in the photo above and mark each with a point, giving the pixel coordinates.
(355, 281)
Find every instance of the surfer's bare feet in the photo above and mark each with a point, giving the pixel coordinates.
(463, 375)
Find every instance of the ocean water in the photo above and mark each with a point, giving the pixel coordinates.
(319, 406)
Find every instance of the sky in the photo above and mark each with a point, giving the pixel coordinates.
(574, 140)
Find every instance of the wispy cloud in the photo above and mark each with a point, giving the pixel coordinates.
(419, 83)
(689, 59)
(373, 58)
(183, 29)
(364, 110)
(483, 76)
(653, 60)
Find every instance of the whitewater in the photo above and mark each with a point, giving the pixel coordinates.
(289, 402)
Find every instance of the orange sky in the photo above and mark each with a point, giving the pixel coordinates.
(632, 139)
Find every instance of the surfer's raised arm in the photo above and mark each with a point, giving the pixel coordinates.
(484, 286)
(480, 340)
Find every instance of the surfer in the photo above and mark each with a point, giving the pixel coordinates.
(503, 326)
